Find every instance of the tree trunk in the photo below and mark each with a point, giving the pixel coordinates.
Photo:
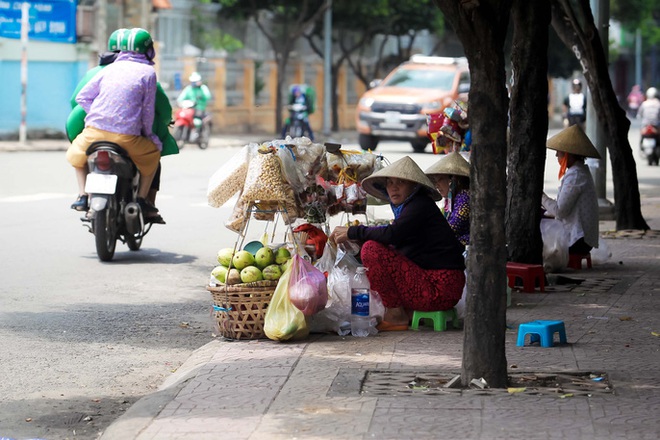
(481, 26)
(576, 28)
(529, 128)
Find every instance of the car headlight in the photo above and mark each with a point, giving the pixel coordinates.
(433, 105)
(366, 102)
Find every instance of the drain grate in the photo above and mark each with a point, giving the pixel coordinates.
(432, 383)
(583, 285)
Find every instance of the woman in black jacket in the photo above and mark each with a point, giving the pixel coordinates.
(416, 262)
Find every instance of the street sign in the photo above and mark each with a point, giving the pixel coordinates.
(50, 20)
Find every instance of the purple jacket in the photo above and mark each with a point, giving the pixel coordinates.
(121, 97)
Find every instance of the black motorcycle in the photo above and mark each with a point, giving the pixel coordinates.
(114, 213)
(298, 125)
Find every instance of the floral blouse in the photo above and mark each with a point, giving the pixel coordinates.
(459, 217)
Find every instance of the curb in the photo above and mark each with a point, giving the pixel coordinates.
(142, 413)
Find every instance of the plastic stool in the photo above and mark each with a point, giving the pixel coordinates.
(575, 261)
(543, 331)
(528, 273)
(439, 318)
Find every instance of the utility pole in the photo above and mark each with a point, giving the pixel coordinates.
(327, 71)
(25, 27)
(595, 128)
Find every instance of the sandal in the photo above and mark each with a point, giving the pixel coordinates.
(81, 203)
(147, 208)
(155, 219)
(385, 326)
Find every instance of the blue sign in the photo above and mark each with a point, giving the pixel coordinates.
(50, 20)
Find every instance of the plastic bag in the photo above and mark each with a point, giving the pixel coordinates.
(555, 245)
(283, 321)
(264, 180)
(336, 316)
(239, 217)
(602, 253)
(308, 290)
(229, 178)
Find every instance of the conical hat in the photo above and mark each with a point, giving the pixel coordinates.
(573, 140)
(453, 164)
(404, 168)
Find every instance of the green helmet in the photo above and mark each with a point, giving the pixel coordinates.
(136, 40)
(115, 39)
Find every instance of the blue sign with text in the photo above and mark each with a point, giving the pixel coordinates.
(50, 20)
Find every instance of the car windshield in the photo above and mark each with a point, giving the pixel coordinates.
(421, 79)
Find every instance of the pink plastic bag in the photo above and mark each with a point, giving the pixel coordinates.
(308, 289)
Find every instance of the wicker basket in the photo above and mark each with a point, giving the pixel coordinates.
(243, 308)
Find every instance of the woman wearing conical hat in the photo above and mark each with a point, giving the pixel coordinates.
(416, 262)
(576, 204)
(451, 176)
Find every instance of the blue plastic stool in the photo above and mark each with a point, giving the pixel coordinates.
(439, 317)
(543, 331)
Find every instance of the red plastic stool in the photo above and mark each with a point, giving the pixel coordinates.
(575, 261)
(528, 273)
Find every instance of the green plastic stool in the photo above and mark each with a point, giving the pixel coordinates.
(439, 318)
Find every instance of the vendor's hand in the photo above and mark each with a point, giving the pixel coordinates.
(339, 235)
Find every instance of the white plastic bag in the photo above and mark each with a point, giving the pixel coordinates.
(602, 253)
(340, 264)
(555, 245)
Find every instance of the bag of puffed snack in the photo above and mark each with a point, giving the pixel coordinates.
(229, 178)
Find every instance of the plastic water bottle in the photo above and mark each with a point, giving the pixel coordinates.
(360, 293)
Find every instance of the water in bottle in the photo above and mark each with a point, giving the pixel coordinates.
(360, 292)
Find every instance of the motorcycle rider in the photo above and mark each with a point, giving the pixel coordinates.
(120, 105)
(649, 111)
(298, 96)
(575, 106)
(197, 92)
(76, 120)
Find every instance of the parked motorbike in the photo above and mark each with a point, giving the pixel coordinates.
(114, 213)
(650, 144)
(297, 116)
(191, 127)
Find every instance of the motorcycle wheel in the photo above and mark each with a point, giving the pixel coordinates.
(180, 135)
(105, 231)
(204, 136)
(296, 130)
(133, 243)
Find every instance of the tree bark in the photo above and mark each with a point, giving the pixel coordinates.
(481, 26)
(528, 131)
(575, 26)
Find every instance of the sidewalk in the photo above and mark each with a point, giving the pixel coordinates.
(312, 389)
(332, 387)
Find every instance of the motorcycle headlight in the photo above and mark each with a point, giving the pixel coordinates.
(366, 102)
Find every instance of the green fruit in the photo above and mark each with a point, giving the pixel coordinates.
(225, 255)
(272, 272)
(282, 255)
(220, 273)
(264, 257)
(251, 274)
(242, 259)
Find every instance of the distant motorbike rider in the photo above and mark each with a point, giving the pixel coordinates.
(649, 111)
(575, 106)
(120, 105)
(298, 96)
(197, 92)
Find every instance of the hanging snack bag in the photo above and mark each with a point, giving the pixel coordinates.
(264, 180)
(229, 178)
